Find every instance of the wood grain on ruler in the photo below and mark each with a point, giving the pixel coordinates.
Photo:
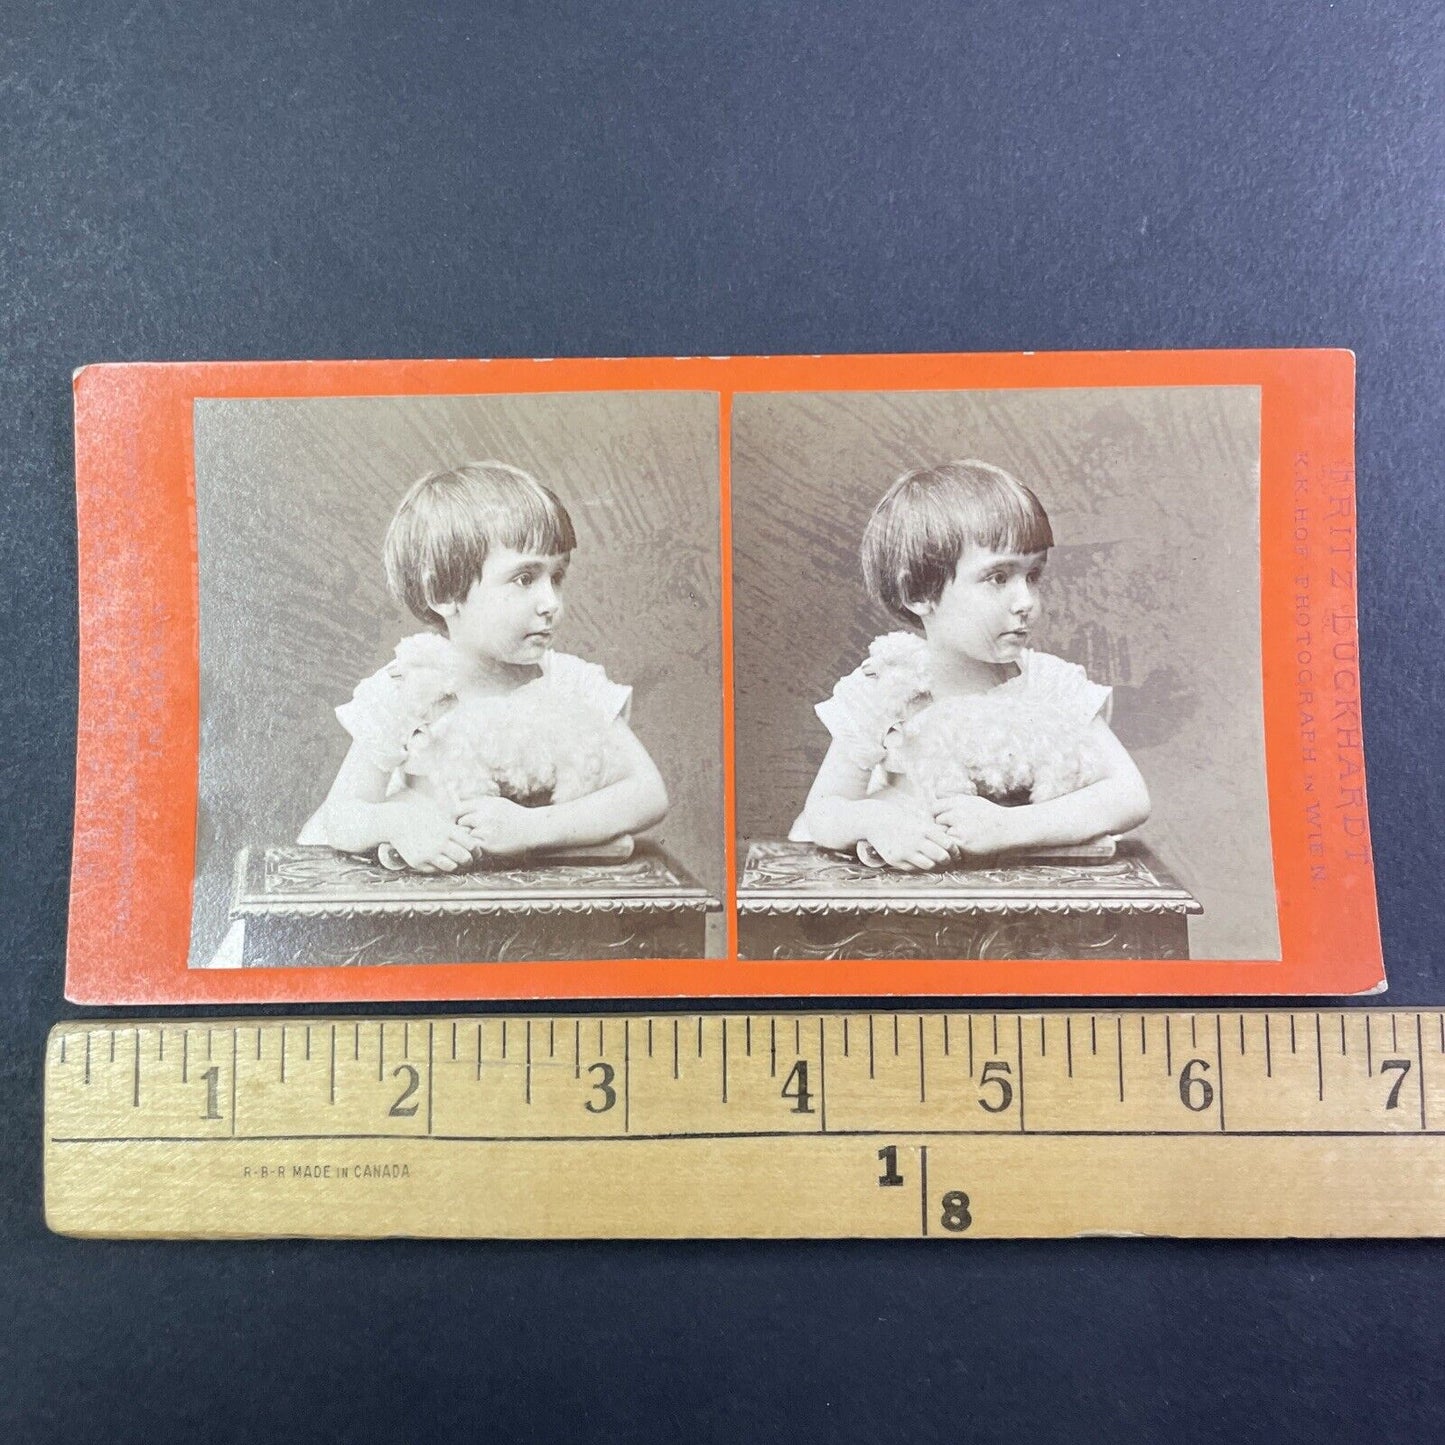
(944, 1124)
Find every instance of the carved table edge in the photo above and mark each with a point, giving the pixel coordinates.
(470, 908)
(962, 907)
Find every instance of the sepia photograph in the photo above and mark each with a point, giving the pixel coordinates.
(851, 676)
(999, 688)
(460, 679)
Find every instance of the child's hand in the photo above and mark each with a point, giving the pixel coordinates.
(427, 836)
(499, 826)
(907, 838)
(975, 825)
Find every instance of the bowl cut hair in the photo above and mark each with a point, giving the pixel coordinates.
(448, 521)
(926, 520)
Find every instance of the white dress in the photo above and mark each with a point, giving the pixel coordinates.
(546, 741)
(870, 707)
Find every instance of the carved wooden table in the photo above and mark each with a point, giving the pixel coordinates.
(313, 906)
(797, 900)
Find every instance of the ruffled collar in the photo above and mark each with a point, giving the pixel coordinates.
(900, 663)
(431, 670)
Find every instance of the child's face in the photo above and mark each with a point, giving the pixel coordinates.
(988, 609)
(512, 609)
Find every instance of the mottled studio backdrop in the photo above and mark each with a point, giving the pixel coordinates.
(293, 500)
(1153, 587)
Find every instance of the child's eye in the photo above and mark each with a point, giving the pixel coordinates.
(1036, 576)
(998, 578)
(525, 579)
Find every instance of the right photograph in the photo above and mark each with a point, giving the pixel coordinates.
(998, 675)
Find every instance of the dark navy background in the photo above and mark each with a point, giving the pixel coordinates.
(182, 181)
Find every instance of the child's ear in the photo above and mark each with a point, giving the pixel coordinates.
(920, 607)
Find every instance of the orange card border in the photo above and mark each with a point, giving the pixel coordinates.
(139, 735)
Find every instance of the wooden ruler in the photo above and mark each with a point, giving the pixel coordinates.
(934, 1124)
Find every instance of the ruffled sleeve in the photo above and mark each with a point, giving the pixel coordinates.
(874, 697)
(390, 705)
(1066, 686)
(589, 681)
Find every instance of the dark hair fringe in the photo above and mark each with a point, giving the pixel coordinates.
(447, 523)
(927, 519)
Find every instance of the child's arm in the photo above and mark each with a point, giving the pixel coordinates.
(636, 799)
(839, 814)
(1115, 803)
(359, 816)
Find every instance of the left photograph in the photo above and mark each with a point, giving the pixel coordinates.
(460, 662)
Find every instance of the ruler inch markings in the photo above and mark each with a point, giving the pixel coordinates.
(1420, 1053)
(1219, 1046)
(822, 1077)
(1258, 1105)
(1022, 1127)
(851, 1133)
